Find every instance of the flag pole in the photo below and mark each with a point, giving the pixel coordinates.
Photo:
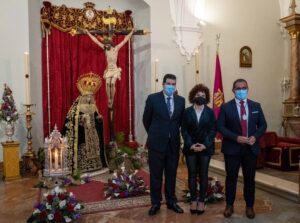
(218, 36)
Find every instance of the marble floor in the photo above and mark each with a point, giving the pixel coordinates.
(17, 198)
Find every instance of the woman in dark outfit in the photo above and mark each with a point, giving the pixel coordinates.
(198, 132)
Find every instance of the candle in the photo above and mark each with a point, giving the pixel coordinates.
(56, 159)
(155, 72)
(197, 61)
(27, 77)
(26, 62)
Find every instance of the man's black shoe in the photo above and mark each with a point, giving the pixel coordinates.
(154, 209)
(175, 207)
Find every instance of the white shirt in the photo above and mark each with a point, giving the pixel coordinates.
(171, 102)
(198, 113)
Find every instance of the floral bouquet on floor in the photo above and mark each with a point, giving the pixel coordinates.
(125, 184)
(58, 206)
(214, 191)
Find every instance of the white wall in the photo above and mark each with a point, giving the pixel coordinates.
(240, 22)
(252, 23)
(14, 42)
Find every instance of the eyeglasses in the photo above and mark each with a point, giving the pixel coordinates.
(241, 88)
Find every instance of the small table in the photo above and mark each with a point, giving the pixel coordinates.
(11, 160)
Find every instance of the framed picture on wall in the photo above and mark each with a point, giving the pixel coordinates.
(245, 56)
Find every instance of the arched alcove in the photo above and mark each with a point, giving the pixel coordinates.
(141, 58)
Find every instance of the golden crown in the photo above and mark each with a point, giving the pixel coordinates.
(89, 83)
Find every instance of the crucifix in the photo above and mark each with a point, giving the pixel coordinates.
(112, 72)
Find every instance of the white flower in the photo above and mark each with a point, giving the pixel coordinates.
(71, 194)
(48, 206)
(77, 207)
(36, 211)
(50, 216)
(58, 190)
(67, 219)
(188, 194)
(62, 203)
(45, 194)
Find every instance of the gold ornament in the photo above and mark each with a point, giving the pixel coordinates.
(89, 83)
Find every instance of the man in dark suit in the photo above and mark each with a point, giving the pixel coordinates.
(241, 122)
(162, 119)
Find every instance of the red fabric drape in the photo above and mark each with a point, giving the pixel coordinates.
(69, 57)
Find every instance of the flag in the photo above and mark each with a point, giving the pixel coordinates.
(218, 96)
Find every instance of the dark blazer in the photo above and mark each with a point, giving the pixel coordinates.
(158, 123)
(228, 125)
(203, 132)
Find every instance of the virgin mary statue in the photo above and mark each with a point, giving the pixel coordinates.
(84, 128)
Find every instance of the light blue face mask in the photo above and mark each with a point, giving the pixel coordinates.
(241, 94)
(169, 89)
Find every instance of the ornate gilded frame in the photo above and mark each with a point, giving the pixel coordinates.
(245, 56)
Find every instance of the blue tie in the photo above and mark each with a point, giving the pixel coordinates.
(169, 105)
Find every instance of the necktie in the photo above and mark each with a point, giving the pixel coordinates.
(169, 105)
(243, 119)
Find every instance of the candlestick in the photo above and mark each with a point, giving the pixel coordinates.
(29, 114)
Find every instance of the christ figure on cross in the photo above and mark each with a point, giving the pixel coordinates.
(112, 72)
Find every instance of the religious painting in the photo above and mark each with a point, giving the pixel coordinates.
(245, 57)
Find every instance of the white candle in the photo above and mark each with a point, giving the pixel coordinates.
(27, 77)
(197, 61)
(156, 61)
(56, 159)
(26, 62)
(156, 67)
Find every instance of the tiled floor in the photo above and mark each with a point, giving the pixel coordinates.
(18, 197)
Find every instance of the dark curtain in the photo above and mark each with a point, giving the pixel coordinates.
(71, 56)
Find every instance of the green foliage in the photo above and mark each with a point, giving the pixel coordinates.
(120, 138)
(77, 175)
(124, 149)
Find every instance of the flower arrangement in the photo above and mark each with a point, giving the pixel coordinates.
(125, 184)
(8, 111)
(134, 157)
(214, 191)
(57, 206)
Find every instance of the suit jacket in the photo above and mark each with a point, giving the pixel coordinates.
(203, 132)
(158, 123)
(229, 126)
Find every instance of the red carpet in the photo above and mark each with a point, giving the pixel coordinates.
(92, 195)
(93, 191)
(89, 192)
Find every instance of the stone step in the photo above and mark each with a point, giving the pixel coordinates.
(274, 185)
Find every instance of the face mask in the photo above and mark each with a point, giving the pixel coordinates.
(200, 100)
(169, 89)
(241, 94)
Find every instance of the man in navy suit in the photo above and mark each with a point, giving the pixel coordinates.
(241, 122)
(162, 119)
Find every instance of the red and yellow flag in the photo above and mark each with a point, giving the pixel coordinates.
(218, 96)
